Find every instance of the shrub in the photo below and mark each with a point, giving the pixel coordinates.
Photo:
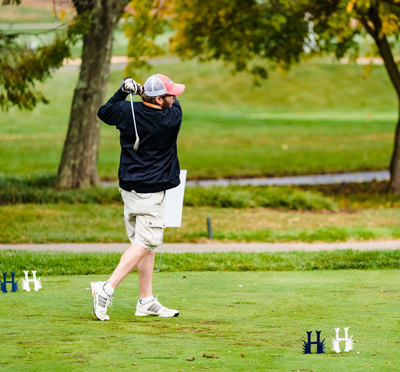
(38, 190)
(257, 196)
(19, 190)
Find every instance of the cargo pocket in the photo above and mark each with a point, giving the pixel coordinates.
(155, 227)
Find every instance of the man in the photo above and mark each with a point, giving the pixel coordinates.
(145, 172)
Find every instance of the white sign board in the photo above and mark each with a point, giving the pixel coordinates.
(174, 203)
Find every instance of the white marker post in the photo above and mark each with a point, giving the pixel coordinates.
(174, 203)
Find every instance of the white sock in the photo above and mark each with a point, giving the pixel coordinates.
(108, 289)
(146, 300)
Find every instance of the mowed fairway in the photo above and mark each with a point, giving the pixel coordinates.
(303, 123)
(228, 321)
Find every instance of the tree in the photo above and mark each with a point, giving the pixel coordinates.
(95, 21)
(283, 32)
(78, 167)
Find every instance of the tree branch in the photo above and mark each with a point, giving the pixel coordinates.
(367, 27)
(62, 25)
(392, 2)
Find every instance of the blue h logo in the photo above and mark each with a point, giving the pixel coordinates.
(14, 284)
(320, 345)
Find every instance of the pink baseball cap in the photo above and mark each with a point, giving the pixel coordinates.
(157, 85)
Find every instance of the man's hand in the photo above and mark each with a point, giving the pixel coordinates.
(131, 86)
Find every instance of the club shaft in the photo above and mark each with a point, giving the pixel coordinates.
(134, 120)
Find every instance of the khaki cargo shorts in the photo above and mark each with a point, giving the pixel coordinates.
(144, 217)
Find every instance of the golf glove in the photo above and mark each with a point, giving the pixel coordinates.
(128, 84)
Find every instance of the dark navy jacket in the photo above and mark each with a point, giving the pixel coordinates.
(155, 166)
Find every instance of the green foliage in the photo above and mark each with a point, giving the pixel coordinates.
(38, 189)
(143, 21)
(23, 66)
(250, 197)
(358, 195)
(8, 2)
(240, 31)
(67, 263)
(282, 32)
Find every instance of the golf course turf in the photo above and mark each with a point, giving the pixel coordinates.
(229, 321)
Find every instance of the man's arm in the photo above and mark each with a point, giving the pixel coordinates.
(177, 105)
(110, 112)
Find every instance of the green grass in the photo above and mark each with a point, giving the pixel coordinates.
(67, 263)
(327, 234)
(241, 214)
(251, 321)
(306, 122)
(63, 223)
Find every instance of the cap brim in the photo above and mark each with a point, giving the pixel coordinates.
(177, 89)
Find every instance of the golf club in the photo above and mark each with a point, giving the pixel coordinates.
(136, 146)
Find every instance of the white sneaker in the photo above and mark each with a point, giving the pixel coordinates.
(156, 309)
(101, 300)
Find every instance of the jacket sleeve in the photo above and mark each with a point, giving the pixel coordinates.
(177, 106)
(110, 112)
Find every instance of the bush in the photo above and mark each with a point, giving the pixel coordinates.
(38, 190)
(257, 196)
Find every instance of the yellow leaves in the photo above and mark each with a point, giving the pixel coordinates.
(221, 13)
(62, 15)
(350, 6)
(143, 21)
(390, 24)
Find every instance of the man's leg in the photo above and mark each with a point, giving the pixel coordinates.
(148, 305)
(145, 270)
(129, 260)
(102, 291)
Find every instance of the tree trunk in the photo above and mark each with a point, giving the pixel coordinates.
(394, 185)
(78, 166)
(394, 75)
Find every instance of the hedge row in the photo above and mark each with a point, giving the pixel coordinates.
(39, 190)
